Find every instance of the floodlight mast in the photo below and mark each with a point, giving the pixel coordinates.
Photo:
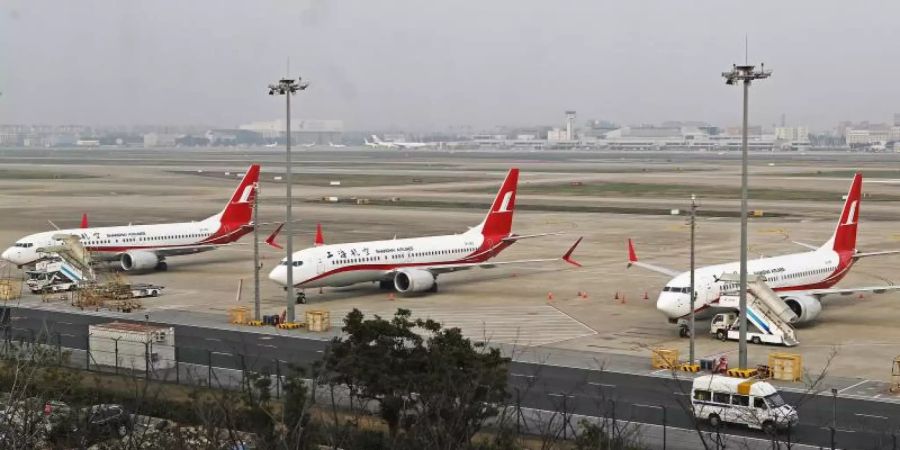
(288, 87)
(745, 74)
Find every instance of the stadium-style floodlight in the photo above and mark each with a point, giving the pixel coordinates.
(288, 87)
(745, 74)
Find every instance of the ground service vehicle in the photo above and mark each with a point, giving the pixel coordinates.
(754, 403)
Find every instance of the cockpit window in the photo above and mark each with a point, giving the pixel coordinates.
(24, 244)
(296, 263)
(683, 290)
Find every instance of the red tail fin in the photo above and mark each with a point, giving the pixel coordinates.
(844, 238)
(84, 221)
(320, 240)
(498, 222)
(271, 239)
(239, 210)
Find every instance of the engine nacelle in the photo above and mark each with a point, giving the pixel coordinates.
(413, 280)
(138, 260)
(806, 307)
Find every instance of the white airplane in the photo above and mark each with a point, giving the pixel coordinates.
(145, 247)
(376, 142)
(272, 145)
(800, 279)
(412, 265)
(331, 144)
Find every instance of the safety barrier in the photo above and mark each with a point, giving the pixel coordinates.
(689, 367)
(741, 373)
(289, 325)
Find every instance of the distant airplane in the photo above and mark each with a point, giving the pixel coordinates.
(274, 144)
(412, 265)
(145, 247)
(376, 142)
(311, 144)
(331, 144)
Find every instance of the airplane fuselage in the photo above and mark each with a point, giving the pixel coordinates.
(119, 239)
(818, 269)
(337, 265)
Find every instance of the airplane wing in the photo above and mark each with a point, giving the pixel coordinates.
(633, 261)
(843, 291)
(518, 237)
(881, 253)
(444, 268)
(803, 244)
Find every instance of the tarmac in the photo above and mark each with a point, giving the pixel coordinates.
(536, 308)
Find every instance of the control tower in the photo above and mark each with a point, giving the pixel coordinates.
(570, 123)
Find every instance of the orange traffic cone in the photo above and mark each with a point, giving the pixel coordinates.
(646, 297)
(584, 295)
(391, 296)
(861, 296)
(623, 298)
(549, 296)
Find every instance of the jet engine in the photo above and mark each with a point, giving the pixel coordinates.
(414, 280)
(806, 307)
(138, 260)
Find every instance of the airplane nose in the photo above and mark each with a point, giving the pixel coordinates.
(279, 275)
(672, 305)
(8, 254)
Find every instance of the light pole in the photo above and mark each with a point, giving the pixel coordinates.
(256, 251)
(745, 74)
(288, 87)
(693, 293)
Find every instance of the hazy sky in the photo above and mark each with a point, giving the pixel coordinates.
(439, 63)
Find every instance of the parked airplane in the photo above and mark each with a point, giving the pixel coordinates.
(144, 247)
(331, 144)
(800, 279)
(413, 265)
(376, 142)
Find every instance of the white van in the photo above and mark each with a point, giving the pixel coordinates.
(749, 402)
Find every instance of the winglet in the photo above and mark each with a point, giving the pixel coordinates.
(84, 221)
(271, 239)
(568, 256)
(320, 240)
(632, 256)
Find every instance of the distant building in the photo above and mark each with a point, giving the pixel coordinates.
(320, 131)
(234, 137)
(557, 135)
(792, 134)
(752, 130)
(857, 137)
(159, 140)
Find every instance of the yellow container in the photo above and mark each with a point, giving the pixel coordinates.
(239, 315)
(786, 366)
(10, 289)
(318, 320)
(664, 358)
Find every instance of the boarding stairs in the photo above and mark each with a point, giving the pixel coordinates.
(766, 310)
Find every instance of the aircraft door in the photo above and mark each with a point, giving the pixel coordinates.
(320, 266)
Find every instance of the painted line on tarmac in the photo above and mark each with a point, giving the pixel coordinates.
(853, 386)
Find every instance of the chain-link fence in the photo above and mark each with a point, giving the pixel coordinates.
(145, 358)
